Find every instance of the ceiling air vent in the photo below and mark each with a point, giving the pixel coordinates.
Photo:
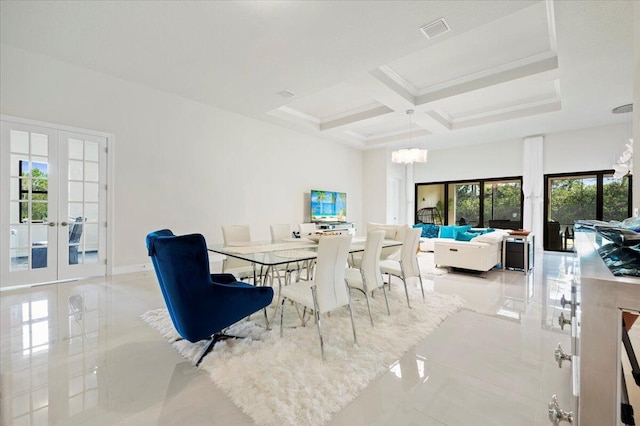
(435, 28)
(285, 94)
(622, 109)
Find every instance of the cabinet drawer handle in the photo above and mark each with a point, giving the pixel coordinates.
(556, 415)
(451, 249)
(560, 356)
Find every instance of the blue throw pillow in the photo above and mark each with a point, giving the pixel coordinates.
(465, 236)
(421, 226)
(446, 232)
(460, 229)
(430, 231)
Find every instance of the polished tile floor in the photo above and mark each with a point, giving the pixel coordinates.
(78, 353)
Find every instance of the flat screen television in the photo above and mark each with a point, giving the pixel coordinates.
(328, 206)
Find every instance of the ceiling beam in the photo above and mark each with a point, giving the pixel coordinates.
(342, 122)
(538, 67)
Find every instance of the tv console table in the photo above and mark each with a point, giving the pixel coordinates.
(348, 227)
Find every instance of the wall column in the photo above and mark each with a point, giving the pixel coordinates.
(533, 185)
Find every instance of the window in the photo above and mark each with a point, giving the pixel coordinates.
(495, 203)
(582, 196)
(502, 203)
(464, 206)
(33, 186)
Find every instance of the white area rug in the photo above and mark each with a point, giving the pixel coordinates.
(427, 265)
(283, 381)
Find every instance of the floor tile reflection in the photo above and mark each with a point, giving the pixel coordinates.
(78, 353)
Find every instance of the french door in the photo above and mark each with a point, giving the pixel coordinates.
(53, 205)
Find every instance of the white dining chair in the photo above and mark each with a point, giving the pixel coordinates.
(328, 290)
(307, 228)
(407, 266)
(368, 276)
(235, 234)
(280, 232)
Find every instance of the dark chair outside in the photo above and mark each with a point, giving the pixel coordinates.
(39, 254)
(201, 305)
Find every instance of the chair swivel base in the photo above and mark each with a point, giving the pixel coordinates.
(217, 337)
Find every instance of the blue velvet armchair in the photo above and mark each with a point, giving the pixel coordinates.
(201, 305)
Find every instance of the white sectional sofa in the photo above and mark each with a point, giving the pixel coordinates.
(481, 253)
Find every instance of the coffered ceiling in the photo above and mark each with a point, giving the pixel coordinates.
(352, 69)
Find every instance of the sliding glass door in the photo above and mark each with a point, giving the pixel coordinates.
(582, 196)
(495, 203)
(503, 204)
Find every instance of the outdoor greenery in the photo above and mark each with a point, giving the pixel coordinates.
(501, 201)
(467, 202)
(571, 199)
(39, 187)
(575, 199)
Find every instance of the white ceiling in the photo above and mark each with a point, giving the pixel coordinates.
(506, 69)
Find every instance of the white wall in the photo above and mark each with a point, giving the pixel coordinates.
(181, 164)
(374, 192)
(497, 159)
(595, 148)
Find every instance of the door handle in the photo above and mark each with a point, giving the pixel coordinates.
(64, 223)
(51, 224)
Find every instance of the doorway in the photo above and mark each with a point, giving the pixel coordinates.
(582, 196)
(53, 203)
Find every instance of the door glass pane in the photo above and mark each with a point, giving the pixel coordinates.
(14, 188)
(570, 199)
(83, 202)
(75, 191)
(502, 204)
(91, 212)
(14, 212)
(76, 149)
(19, 260)
(39, 144)
(29, 206)
(19, 164)
(91, 171)
(76, 241)
(615, 192)
(75, 210)
(465, 204)
(91, 192)
(91, 151)
(91, 234)
(90, 253)
(39, 235)
(75, 170)
(39, 212)
(19, 142)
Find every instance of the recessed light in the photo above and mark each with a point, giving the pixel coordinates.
(285, 94)
(435, 28)
(622, 109)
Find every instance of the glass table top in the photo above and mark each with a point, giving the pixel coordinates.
(283, 251)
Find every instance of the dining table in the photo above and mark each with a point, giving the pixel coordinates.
(270, 258)
(267, 256)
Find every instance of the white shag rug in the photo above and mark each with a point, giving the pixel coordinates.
(283, 381)
(427, 265)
